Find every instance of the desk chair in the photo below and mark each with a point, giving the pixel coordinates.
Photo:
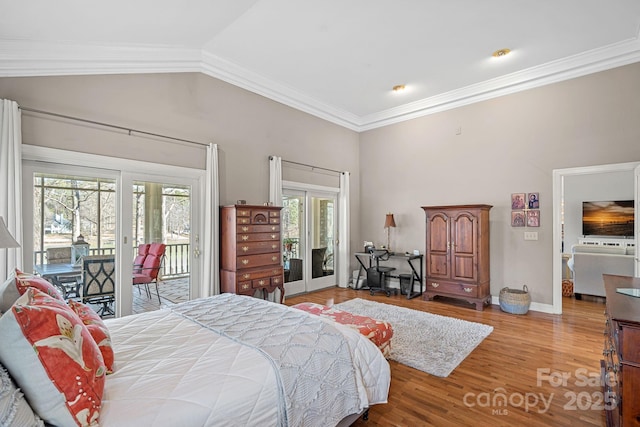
(377, 276)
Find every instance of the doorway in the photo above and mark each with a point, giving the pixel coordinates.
(567, 215)
(309, 224)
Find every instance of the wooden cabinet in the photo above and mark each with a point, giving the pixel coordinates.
(621, 363)
(250, 250)
(457, 253)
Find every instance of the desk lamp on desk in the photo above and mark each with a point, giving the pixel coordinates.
(388, 223)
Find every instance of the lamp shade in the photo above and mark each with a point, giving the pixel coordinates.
(389, 221)
(6, 239)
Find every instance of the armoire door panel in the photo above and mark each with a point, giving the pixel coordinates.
(438, 265)
(439, 236)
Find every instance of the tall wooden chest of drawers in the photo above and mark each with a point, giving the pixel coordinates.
(251, 250)
(621, 363)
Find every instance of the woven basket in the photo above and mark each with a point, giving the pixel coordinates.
(515, 301)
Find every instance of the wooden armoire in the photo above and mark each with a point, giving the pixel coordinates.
(251, 250)
(457, 253)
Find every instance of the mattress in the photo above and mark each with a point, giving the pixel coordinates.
(174, 369)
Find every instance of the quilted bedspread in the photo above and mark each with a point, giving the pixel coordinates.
(238, 361)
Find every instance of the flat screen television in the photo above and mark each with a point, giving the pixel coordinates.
(611, 218)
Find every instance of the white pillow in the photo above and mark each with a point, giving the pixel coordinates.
(14, 409)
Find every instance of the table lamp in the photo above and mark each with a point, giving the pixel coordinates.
(388, 223)
(6, 239)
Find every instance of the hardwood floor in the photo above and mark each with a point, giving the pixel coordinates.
(545, 366)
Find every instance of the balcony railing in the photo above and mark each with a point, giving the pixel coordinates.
(176, 259)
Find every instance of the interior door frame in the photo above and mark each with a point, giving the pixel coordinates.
(558, 197)
(125, 170)
(317, 190)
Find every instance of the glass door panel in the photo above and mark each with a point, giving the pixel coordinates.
(74, 230)
(293, 242)
(161, 215)
(322, 231)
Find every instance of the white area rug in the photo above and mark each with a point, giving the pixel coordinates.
(428, 342)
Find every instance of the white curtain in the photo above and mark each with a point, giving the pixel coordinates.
(275, 180)
(210, 256)
(344, 251)
(275, 197)
(11, 182)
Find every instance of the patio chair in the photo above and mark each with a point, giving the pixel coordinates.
(147, 265)
(98, 285)
(68, 284)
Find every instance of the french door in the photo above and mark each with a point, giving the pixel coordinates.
(309, 227)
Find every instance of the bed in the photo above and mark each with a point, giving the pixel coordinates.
(238, 361)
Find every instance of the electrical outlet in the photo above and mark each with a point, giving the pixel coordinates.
(530, 235)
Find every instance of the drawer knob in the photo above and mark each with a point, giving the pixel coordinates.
(273, 228)
(276, 271)
(246, 276)
(274, 258)
(276, 280)
(245, 237)
(274, 236)
(244, 221)
(468, 290)
(274, 246)
(435, 285)
(245, 229)
(245, 287)
(245, 261)
(243, 213)
(245, 248)
(261, 282)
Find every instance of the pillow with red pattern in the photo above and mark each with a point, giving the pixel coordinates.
(18, 283)
(53, 359)
(98, 331)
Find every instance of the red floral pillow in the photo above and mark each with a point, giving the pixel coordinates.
(53, 359)
(26, 280)
(98, 331)
(18, 283)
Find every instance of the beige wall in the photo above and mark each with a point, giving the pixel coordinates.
(247, 127)
(507, 145)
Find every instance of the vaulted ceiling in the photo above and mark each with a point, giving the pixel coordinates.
(338, 60)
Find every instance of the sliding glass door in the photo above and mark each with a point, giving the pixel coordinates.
(110, 212)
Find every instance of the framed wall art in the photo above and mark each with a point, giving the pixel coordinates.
(518, 201)
(517, 219)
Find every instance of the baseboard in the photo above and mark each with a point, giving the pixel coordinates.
(534, 306)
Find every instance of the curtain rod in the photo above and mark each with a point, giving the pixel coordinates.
(93, 122)
(312, 167)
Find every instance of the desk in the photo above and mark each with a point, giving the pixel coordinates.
(411, 259)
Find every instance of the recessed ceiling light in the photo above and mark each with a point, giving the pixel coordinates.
(398, 88)
(501, 53)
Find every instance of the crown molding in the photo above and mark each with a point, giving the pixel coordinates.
(231, 73)
(24, 58)
(601, 59)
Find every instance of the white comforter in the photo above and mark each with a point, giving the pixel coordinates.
(171, 371)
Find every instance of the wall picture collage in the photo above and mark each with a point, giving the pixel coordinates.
(525, 210)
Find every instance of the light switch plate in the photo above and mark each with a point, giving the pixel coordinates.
(530, 235)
